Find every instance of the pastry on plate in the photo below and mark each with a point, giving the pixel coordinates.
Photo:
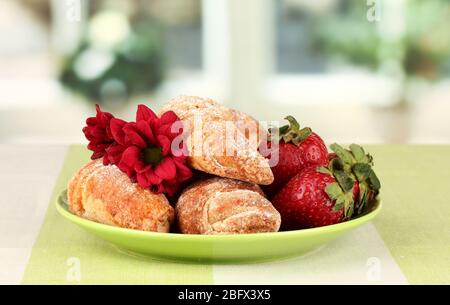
(225, 206)
(222, 141)
(105, 194)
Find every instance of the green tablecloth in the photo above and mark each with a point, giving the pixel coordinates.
(413, 226)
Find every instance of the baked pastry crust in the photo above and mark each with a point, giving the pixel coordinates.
(222, 141)
(225, 206)
(106, 195)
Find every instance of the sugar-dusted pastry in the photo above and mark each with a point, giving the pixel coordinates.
(225, 206)
(107, 195)
(246, 125)
(222, 141)
(188, 106)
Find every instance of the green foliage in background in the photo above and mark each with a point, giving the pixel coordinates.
(347, 35)
(427, 41)
(137, 65)
(423, 49)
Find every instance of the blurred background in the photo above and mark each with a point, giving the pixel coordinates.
(356, 71)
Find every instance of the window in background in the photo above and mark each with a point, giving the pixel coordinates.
(179, 23)
(267, 57)
(130, 48)
(182, 25)
(294, 49)
(392, 70)
(118, 53)
(24, 59)
(407, 40)
(326, 35)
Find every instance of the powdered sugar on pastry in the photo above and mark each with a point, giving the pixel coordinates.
(106, 195)
(222, 141)
(225, 206)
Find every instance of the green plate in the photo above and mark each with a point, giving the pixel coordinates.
(217, 248)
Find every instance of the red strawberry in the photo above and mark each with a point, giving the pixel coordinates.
(320, 196)
(298, 149)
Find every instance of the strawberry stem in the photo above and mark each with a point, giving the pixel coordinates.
(292, 133)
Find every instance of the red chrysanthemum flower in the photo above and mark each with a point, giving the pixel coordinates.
(151, 151)
(115, 150)
(98, 133)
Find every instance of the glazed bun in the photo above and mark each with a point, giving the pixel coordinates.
(104, 194)
(225, 206)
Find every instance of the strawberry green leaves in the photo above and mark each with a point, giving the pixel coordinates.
(292, 132)
(374, 181)
(324, 170)
(362, 171)
(359, 154)
(365, 173)
(359, 163)
(349, 167)
(344, 200)
(344, 180)
(343, 154)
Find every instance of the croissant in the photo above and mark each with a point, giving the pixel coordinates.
(106, 195)
(225, 206)
(222, 141)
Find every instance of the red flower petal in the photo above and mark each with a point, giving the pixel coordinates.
(170, 187)
(183, 172)
(153, 178)
(122, 144)
(91, 121)
(114, 153)
(132, 137)
(143, 180)
(168, 117)
(141, 167)
(129, 158)
(166, 131)
(97, 133)
(145, 113)
(97, 155)
(97, 109)
(146, 131)
(166, 169)
(170, 125)
(158, 189)
(106, 160)
(101, 115)
(117, 132)
(165, 144)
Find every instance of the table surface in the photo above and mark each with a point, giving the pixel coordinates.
(408, 243)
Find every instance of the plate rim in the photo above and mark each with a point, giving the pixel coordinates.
(63, 211)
